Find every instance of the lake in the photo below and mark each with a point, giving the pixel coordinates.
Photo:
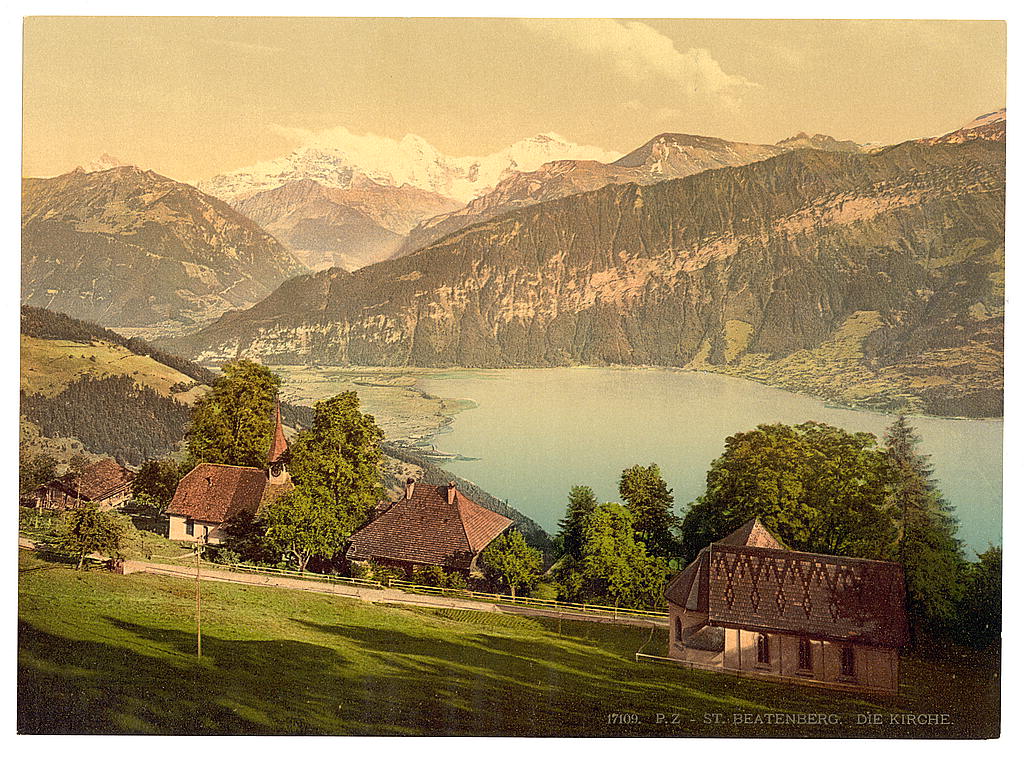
(538, 432)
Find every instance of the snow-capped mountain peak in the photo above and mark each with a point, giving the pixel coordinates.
(336, 157)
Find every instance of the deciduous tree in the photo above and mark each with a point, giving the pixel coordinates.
(509, 561)
(232, 423)
(817, 487)
(336, 462)
(615, 565)
(86, 529)
(155, 482)
(297, 527)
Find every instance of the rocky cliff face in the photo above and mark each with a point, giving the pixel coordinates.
(131, 249)
(871, 279)
(334, 227)
(663, 157)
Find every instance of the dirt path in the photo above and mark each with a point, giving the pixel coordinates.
(364, 594)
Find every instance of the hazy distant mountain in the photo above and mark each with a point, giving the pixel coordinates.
(824, 272)
(134, 250)
(820, 142)
(336, 160)
(991, 126)
(333, 227)
(667, 156)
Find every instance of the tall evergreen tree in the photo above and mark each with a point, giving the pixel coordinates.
(232, 423)
(926, 543)
(649, 499)
(581, 504)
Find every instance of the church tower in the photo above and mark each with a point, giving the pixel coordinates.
(277, 472)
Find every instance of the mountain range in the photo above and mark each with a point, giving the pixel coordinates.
(134, 250)
(664, 157)
(867, 278)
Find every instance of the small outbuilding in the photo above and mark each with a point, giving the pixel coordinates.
(749, 606)
(429, 525)
(105, 483)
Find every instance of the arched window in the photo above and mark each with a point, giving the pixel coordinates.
(847, 664)
(679, 630)
(763, 655)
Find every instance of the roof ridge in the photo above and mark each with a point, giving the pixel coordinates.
(756, 549)
(226, 465)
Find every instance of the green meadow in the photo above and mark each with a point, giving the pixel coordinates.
(102, 653)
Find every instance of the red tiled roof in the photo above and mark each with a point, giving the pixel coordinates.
(774, 589)
(425, 529)
(279, 445)
(215, 493)
(98, 480)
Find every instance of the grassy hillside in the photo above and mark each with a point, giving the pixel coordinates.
(100, 653)
(48, 366)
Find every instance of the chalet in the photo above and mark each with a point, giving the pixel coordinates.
(429, 525)
(749, 606)
(104, 483)
(211, 494)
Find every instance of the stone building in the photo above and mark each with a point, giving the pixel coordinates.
(429, 525)
(749, 606)
(211, 495)
(105, 483)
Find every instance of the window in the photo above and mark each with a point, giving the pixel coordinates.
(846, 665)
(805, 655)
(190, 527)
(763, 656)
(679, 630)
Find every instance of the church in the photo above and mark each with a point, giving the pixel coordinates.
(747, 605)
(211, 494)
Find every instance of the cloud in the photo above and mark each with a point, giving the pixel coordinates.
(641, 52)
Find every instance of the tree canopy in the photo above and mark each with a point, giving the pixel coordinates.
(155, 482)
(615, 566)
(817, 487)
(581, 504)
(926, 543)
(335, 467)
(510, 562)
(336, 462)
(232, 423)
(86, 529)
(649, 499)
(296, 527)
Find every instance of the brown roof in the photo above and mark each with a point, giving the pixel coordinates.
(97, 480)
(426, 529)
(774, 589)
(752, 534)
(279, 444)
(215, 493)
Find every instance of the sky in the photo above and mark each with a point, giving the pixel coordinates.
(192, 97)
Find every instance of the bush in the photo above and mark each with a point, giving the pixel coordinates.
(226, 556)
(385, 573)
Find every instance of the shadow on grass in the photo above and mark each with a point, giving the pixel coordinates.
(384, 680)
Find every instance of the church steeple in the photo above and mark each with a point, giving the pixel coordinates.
(277, 471)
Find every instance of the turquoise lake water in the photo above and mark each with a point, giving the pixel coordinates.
(539, 432)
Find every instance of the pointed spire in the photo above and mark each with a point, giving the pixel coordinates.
(279, 444)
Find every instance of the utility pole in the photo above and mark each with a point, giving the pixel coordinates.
(199, 621)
